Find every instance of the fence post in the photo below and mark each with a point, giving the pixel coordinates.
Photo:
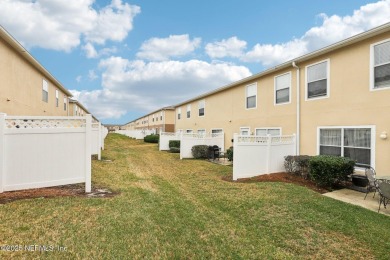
(2, 150)
(103, 128)
(269, 140)
(235, 150)
(88, 137)
(181, 145)
(100, 141)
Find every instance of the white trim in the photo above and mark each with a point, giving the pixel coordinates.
(204, 107)
(246, 96)
(245, 127)
(373, 139)
(289, 88)
(327, 80)
(268, 128)
(371, 69)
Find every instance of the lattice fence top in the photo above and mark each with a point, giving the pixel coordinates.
(19, 123)
(285, 139)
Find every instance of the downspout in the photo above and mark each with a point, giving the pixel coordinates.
(298, 109)
(163, 128)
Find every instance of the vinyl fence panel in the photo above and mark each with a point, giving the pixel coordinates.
(254, 155)
(165, 137)
(40, 152)
(187, 141)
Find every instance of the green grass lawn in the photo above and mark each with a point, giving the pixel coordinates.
(170, 208)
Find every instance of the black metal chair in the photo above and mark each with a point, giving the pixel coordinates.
(383, 187)
(371, 185)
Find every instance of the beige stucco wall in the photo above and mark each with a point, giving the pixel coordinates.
(154, 121)
(21, 87)
(227, 110)
(350, 103)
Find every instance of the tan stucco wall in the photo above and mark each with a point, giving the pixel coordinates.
(350, 103)
(227, 110)
(21, 84)
(168, 118)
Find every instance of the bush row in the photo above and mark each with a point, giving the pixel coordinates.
(325, 170)
(151, 138)
(174, 146)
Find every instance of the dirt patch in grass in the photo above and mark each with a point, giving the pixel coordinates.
(280, 177)
(72, 190)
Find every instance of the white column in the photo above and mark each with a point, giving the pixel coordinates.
(88, 137)
(2, 149)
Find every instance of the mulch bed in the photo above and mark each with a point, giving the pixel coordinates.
(280, 177)
(72, 190)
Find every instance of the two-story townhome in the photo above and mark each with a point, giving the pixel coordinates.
(336, 101)
(26, 87)
(161, 120)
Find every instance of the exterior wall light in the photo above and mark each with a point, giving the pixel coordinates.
(383, 135)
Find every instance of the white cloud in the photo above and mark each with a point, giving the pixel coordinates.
(60, 25)
(79, 78)
(138, 85)
(92, 75)
(90, 50)
(159, 49)
(332, 29)
(232, 47)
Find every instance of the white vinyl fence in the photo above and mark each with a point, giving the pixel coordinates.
(137, 134)
(257, 155)
(38, 152)
(165, 137)
(187, 141)
(104, 134)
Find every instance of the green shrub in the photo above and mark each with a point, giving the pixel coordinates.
(200, 151)
(174, 150)
(174, 143)
(229, 154)
(327, 170)
(297, 164)
(151, 139)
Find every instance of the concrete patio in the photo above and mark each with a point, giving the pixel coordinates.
(357, 198)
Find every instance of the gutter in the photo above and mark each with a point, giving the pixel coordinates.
(297, 140)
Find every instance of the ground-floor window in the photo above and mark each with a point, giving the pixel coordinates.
(217, 131)
(245, 131)
(189, 131)
(268, 131)
(352, 142)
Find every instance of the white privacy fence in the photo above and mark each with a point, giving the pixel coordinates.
(257, 155)
(165, 137)
(38, 152)
(187, 141)
(137, 134)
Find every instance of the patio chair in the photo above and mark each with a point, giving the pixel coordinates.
(384, 192)
(371, 176)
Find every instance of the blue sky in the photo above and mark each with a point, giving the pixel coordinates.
(123, 59)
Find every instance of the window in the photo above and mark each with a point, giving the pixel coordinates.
(161, 116)
(189, 131)
(56, 97)
(380, 68)
(282, 88)
(245, 131)
(65, 100)
(201, 107)
(354, 143)
(251, 94)
(45, 91)
(188, 111)
(268, 131)
(317, 80)
(201, 132)
(217, 131)
(179, 113)
(153, 119)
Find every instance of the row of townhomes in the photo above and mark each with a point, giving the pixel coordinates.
(27, 88)
(161, 120)
(335, 99)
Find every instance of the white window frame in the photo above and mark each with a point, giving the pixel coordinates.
(219, 129)
(327, 80)
(201, 132)
(45, 91)
(243, 128)
(203, 101)
(373, 144)
(268, 128)
(246, 96)
(188, 116)
(161, 115)
(189, 131)
(57, 99)
(372, 66)
(289, 89)
(179, 113)
(65, 102)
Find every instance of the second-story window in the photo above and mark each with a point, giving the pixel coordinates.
(317, 78)
(201, 107)
(251, 96)
(45, 91)
(380, 69)
(57, 103)
(282, 88)
(188, 111)
(179, 113)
